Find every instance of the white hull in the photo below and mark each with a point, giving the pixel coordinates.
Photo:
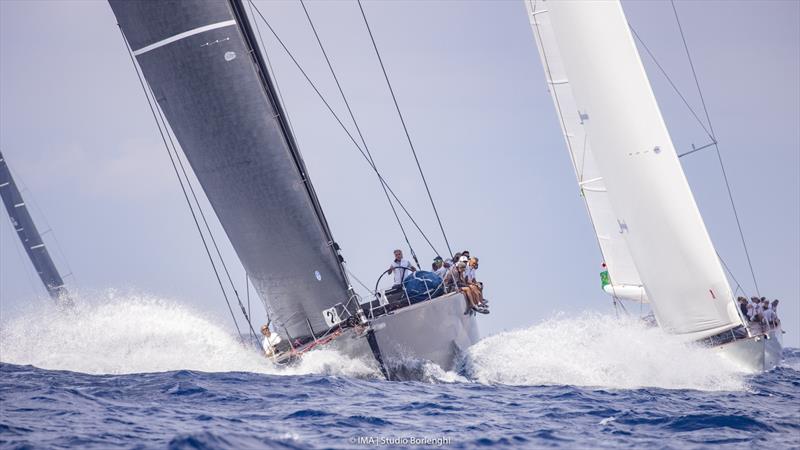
(755, 354)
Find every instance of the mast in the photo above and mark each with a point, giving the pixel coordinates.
(649, 195)
(206, 73)
(29, 235)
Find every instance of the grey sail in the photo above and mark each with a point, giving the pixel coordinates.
(206, 73)
(28, 234)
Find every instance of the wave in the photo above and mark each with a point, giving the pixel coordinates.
(123, 334)
(596, 350)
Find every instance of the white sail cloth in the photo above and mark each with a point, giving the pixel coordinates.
(624, 278)
(653, 206)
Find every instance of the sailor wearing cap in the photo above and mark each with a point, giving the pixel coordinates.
(438, 267)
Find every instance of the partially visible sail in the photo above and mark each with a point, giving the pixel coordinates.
(23, 224)
(654, 208)
(199, 58)
(624, 279)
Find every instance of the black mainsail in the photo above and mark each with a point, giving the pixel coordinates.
(29, 235)
(206, 73)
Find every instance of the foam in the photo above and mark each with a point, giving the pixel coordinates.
(135, 333)
(596, 350)
(120, 334)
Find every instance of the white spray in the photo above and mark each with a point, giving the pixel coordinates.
(119, 334)
(598, 351)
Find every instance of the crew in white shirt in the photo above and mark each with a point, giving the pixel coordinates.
(756, 313)
(438, 267)
(770, 317)
(472, 269)
(751, 312)
(401, 268)
(270, 341)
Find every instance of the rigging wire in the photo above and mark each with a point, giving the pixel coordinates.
(359, 281)
(283, 103)
(180, 180)
(358, 130)
(278, 115)
(205, 222)
(344, 128)
(738, 285)
(25, 262)
(671, 83)
(30, 198)
(269, 66)
(405, 128)
(624, 309)
(719, 154)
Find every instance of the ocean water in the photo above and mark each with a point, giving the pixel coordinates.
(139, 372)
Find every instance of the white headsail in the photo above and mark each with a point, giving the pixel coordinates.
(624, 281)
(653, 208)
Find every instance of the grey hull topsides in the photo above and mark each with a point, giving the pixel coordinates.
(436, 330)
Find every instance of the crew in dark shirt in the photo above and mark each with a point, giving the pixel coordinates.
(743, 305)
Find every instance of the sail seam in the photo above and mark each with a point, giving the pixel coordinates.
(184, 35)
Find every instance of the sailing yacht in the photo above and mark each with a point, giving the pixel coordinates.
(30, 237)
(652, 238)
(202, 64)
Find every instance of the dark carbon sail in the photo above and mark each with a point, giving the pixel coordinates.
(204, 68)
(29, 235)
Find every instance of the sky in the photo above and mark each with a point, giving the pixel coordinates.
(76, 131)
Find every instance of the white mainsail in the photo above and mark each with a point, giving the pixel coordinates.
(653, 207)
(624, 278)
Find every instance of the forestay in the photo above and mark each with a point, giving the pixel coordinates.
(625, 281)
(654, 208)
(220, 103)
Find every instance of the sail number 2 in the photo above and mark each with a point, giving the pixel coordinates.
(331, 317)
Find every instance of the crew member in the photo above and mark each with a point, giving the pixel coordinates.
(454, 279)
(438, 267)
(770, 319)
(475, 286)
(756, 310)
(270, 341)
(774, 306)
(472, 268)
(401, 268)
(743, 306)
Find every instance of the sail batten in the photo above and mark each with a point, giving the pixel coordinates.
(185, 34)
(220, 106)
(659, 228)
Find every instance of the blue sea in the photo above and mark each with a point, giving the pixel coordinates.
(146, 373)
